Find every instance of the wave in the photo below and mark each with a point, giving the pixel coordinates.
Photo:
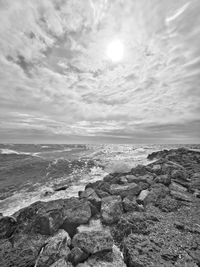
(7, 151)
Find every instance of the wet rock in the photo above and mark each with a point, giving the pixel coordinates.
(55, 247)
(111, 209)
(125, 190)
(93, 242)
(101, 193)
(7, 226)
(61, 188)
(91, 196)
(140, 170)
(75, 213)
(77, 255)
(47, 223)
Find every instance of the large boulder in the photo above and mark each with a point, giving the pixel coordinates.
(111, 209)
(90, 195)
(107, 259)
(93, 242)
(75, 213)
(56, 247)
(125, 190)
(7, 226)
(134, 222)
(22, 251)
(157, 192)
(131, 204)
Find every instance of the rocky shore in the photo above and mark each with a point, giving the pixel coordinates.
(149, 216)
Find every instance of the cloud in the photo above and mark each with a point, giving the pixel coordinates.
(57, 83)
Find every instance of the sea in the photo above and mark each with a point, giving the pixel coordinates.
(43, 172)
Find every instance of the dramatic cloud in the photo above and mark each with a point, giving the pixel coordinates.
(57, 83)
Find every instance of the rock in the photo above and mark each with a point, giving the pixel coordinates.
(125, 190)
(111, 259)
(77, 255)
(7, 226)
(183, 196)
(168, 204)
(93, 242)
(130, 204)
(134, 222)
(75, 213)
(91, 196)
(140, 170)
(61, 188)
(99, 185)
(163, 179)
(179, 175)
(123, 180)
(142, 196)
(61, 263)
(22, 252)
(101, 193)
(157, 192)
(56, 247)
(177, 187)
(111, 209)
(195, 182)
(47, 223)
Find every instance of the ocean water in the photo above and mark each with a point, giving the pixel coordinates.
(30, 173)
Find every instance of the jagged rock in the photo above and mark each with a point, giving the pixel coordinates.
(107, 259)
(140, 170)
(47, 223)
(142, 196)
(111, 209)
(164, 179)
(75, 213)
(195, 182)
(123, 180)
(93, 242)
(179, 175)
(56, 247)
(130, 204)
(157, 192)
(61, 263)
(91, 196)
(7, 226)
(101, 193)
(125, 190)
(77, 255)
(183, 196)
(134, 222)
(101, 185)
(22, 252)
(177, 187)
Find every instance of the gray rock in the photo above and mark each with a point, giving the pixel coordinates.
(142, 196)
(56, 247)
(61, 263)
(111, 209)
(183, 196)
(93, 242)
(77, 255)
(8, 225)
(125, 190)
(177, 187)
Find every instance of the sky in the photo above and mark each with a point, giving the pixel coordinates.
(58, 84)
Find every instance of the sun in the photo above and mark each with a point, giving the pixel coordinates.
(115, 50)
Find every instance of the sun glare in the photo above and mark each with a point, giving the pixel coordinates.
(115, 50)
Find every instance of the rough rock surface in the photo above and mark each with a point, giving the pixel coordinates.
(111, 209)
(93, 242)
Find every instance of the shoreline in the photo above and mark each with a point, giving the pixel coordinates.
(146, 211)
